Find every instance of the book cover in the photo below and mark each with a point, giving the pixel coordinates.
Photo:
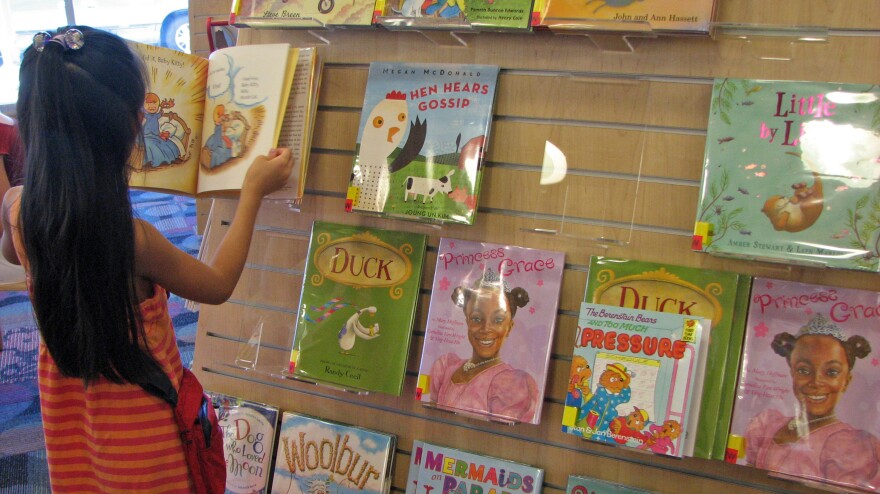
(301, 13)
(790, 173)
(356, 311)
(477, 14)
(445, 470)
(722, 297)
(423, 132)
(206, 120)
(248, 441)
(807, 403)
(586, 485)
(316, 456)
(643, 367)
(663, 16)
(490, 329)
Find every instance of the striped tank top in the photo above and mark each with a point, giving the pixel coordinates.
(110, 437)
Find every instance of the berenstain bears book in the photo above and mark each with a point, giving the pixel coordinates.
(423, 132)
(477, 14)
(490, 329)
(321, 456)
(301, 13)
(587, 485)
(446, 470)
(643, 366)
(206, 120)
(662, 16)
(791, 175)
(248, 440)
(807, 404)
(357, 306)
(722, 297)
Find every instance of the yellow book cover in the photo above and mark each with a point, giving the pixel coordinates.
(673, 16)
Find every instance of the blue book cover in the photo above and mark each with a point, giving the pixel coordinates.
(322, 456)
(248, 441)
(586, 485)
(790, 174)
(634, 378)
(437, 469)
(424, 129)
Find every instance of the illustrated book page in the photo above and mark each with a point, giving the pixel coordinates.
(423, 132)
(450, 470)
(248, 441)
(807, 403)
(721, 297)
(633, 378)
(301, 13)
(357, 307)
(666, 16)
(205, 121)
(322, 456)
(490, 329)
(790, 174)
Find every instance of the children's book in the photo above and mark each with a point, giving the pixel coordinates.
(490, 329)
(721, 297)
(248, 441)
(205, 120)
(446, 470)
(807, 402)
(322, 456)
(790, 173)
(586, 485)
(477, 14)
(299, 119)
(356, 311)
(423, 132)
(662, 16)
(643, 366)
(301, 13)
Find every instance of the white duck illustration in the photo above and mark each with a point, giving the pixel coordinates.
(354, 329)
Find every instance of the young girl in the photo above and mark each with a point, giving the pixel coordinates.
(98, 277)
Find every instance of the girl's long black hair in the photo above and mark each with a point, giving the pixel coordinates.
(79, 116)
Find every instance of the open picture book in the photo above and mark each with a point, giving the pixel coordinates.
(205, 120)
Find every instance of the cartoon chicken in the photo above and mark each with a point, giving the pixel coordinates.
(384, 129)
(353, 329)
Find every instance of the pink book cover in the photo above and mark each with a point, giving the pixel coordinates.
(807, 405)
(490, 327)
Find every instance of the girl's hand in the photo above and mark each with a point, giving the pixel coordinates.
(268, 173)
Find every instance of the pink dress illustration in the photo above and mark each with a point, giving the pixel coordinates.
(836, 452)
(500, 389)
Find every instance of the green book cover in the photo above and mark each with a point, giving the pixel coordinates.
(493, 15)
(357, 307)
(790, 174)
(715, 295)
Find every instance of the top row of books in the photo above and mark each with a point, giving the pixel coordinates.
(662, 16)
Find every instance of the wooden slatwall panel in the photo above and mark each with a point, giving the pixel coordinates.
(632, 126)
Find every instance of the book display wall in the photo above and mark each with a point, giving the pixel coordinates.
(631, 129)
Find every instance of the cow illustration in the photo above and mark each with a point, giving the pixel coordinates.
(427, 187)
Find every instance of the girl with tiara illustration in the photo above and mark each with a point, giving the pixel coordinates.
(815, 443)
(484, 382)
